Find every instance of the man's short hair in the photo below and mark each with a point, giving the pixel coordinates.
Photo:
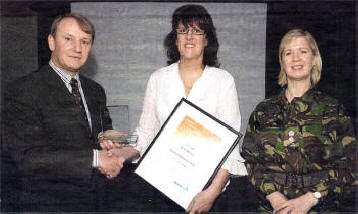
(85, 24)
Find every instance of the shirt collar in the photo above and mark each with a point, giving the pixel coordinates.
(64, 76)
(307, 95)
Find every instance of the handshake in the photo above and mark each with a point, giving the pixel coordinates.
(116, 149)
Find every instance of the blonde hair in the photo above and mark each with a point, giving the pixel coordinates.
(317, 61)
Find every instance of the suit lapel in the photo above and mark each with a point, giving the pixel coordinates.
(65, 99)
(93, 103)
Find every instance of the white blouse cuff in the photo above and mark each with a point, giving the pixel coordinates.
(235, 167)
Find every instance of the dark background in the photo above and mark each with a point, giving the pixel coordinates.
(332, 23)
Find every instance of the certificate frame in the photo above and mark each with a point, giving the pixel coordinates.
(187, 152)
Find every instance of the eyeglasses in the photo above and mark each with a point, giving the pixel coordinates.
(194, 31)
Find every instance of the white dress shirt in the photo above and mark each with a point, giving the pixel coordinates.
(214, 91)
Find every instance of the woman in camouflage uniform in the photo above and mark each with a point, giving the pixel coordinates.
(299, 144)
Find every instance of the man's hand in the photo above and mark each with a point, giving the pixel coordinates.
(110, 163)
(299, 205)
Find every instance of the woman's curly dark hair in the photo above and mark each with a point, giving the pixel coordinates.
(189, 15)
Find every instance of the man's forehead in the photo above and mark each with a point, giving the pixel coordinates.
(70, 26)
(67, 21)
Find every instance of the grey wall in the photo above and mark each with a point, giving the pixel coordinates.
(129, 47)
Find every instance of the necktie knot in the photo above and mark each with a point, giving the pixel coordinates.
(73, 81)
(74, 85)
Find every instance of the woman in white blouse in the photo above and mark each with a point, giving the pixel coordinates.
(192, 73)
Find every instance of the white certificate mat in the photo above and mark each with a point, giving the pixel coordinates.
(187, 152)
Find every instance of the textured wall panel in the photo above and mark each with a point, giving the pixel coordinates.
(129, 47)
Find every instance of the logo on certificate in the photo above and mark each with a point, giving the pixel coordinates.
(190, 129)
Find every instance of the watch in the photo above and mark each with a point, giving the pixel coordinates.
(317, 195)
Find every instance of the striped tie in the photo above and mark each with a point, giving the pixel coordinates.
(77, 95)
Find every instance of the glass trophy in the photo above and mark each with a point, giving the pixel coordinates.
(120, 121)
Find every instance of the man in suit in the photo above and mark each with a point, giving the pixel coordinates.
(51, 121)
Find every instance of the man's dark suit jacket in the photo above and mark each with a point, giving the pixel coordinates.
(51, 145)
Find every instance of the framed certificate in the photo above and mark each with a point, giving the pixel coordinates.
(185, 155)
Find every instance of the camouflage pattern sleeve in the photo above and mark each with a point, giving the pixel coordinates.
(340, 156)
(262, 182)
(348, 140)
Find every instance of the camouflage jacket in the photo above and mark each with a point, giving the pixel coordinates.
(311, 134)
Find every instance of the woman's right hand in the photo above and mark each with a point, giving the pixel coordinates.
(300, 205)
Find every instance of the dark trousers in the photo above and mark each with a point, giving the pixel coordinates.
(241, 196)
